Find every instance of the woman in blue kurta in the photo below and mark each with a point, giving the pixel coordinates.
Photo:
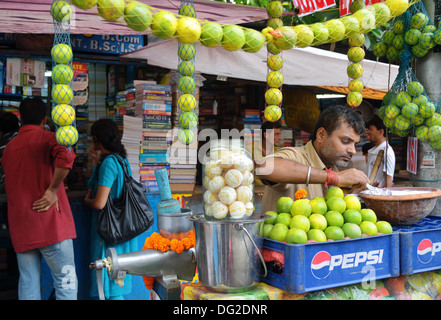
(107, 180)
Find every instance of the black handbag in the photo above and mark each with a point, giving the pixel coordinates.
(127, 217)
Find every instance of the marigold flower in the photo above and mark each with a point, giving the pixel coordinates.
(300, 194)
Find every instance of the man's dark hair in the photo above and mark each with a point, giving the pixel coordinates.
(9, 122)
(106, 131)
(268, 125)
(32, 111)
(377, 123)
(334, 116)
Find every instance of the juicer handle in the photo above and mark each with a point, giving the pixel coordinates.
(239, 226)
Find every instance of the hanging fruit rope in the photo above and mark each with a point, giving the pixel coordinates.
(63, 112)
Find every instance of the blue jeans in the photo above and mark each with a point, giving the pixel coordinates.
(60, 259)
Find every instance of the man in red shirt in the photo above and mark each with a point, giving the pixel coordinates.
(39, 215)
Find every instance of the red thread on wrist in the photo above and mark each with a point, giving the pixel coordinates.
(331, 178)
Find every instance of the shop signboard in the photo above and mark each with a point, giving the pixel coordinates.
(311, 6)
(344, 5)
(25, 72)
(107, 44)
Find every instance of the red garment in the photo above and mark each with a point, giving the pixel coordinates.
(29, 161)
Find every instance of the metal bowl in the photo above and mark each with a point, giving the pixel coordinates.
(175, 225)
(404, 206)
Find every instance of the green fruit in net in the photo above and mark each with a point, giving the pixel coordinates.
(391, 111)
(356, 54)
(62, 74)
(188, 120)
(409, 110)
(336, 30)
(275, 62)
(186, 68)
(427, 109)
(305, 36)
(435, 144)
(426, 40)
(398, 42)
(287, 39)
(273, 96)
(389, 98)
(211, 34)
(274, 9)
(401, 123)
(412, 36)
(355, 70)
(402, 98)
(388, 122)
(111, 10)
(354, 99)
(186, 84)
(419, 21)
(186, 51)
(138, 16)
(84, 4)
(421, 133)
(418, 51)
(382, 14)
(388, 37)
(187, 10)
(429, 28)
(185, 136)
(366, 20)
(188, 30)
(417, 120)
(355, 85)
(62, 94)
(275, 23)
(272, 113)
(398, 27)
(437, 36)
(66, 135)
(357, 40)
(352, 26)
(434, 120)
(434, 133)
(254, 40)
(415, 88)
(397, 7)
(379, 49)
(274, 79)
(233, 37)
(164, 24)
(392, 54)
(272, 48)
(61, 53)
(63, 115)
(187, 102)
(321, 33)
(356, 5)
(61, 11)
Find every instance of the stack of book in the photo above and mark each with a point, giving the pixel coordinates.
(131, 139)
(183, 161)
(153, 156)
(153, 103)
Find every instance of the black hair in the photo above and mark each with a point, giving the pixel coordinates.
(9, 122)
(332, 118)
(32, 111)
(377, 123)
(106, 132)
(268, 125)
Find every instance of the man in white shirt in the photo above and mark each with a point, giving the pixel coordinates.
(377, 134)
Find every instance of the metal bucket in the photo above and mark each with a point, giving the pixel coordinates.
(174, 225)
(227, 253)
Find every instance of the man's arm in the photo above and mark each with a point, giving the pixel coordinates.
(50, 195)
(287, 171)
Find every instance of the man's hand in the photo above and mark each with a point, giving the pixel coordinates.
(352, 178)
(44, 203)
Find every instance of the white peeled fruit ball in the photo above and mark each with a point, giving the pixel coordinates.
(248, 178)
(242, 163)
(212, 169)
(215, 184)
(237, 210)
(209, 197)
(233, 178)
(219, 210)
(244, 194)
(227, 195)
(249, 207)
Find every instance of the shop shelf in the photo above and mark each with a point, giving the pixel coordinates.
(420, 245)
(318, 266)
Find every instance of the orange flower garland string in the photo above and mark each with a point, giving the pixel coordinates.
(158, 242)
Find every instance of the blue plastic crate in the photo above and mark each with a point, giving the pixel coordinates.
(420, 246)
(318, 266)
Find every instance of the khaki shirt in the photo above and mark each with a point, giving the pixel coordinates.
(305, 155)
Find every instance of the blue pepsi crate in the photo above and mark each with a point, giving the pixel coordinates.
(420, 246)
(318, 266)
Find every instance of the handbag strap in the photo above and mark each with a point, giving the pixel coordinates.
(123, 165)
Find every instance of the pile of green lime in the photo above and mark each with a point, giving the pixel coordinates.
(334, 217)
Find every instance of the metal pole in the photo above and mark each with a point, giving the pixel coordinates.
(427, 72)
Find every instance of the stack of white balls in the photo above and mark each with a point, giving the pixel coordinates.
(228, 185)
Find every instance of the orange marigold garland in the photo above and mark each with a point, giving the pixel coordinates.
(300, 194)
(158, 242)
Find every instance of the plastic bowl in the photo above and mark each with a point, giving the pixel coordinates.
(405, 206)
